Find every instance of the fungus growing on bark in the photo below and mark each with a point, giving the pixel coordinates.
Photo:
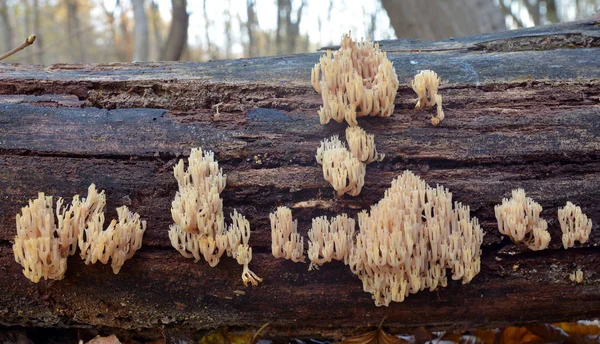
(41, 246)
(340, 168)
(286, 242)
(425, 84)
(576, 276)
(356, 80)
(409, 239)
(330, 240)
(574, 224)
(519, 219)
(119, 241)
(197, 210)
(362, 145)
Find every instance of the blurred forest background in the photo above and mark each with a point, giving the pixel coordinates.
(201, 30)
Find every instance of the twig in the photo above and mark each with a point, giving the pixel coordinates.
(29, 41)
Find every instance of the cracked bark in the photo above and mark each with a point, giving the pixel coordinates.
(521, 111)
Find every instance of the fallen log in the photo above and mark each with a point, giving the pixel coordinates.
(522, 110)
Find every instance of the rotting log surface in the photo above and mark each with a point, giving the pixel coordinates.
(522, 110)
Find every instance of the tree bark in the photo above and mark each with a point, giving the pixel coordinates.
(436, 19)
(177, 39)
(141, 36)
(521, 111)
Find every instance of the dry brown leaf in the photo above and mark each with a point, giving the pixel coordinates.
(518, 335)
(580, 328)
(377, 336)
(487, 336)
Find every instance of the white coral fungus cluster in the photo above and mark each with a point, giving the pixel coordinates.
(574, 224)
(340, 167)
(425, 84)
(356, 80)
(286, 242)
(330, 240)
(410, 237)
(197, 210)
(42, 245)
(519, 219)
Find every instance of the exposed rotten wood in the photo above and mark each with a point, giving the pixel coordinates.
(519, 113)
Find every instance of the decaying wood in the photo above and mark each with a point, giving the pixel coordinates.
(522, 110)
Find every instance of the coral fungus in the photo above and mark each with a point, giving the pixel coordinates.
(199, 229)
(340, 168)
(42, 247)
(574, 224)
(410, 237)
(356, 80)
(362, 145)
(285, 240)
(519, 218)
(330, 240)
(425, 84)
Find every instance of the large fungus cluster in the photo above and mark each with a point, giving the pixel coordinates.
(410, 237)
(404, 244)
(43, 245)
(519, 219)
(199, 230)
(356, 80)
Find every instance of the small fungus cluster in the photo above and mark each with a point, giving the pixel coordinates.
(519, 219)
(330, 240)
(340, 167)
(425, 85)
(286, 242)
(356, 80)
(43, 245)
(574, 224)
(197, 210)
(345, 169)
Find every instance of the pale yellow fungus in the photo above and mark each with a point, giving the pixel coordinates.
(330, 240)
(119, 242)
(576, 276)
(41, 246)
(362, 145)
(199, 230)
(426, 84)
(356, 80)
(574, 224)
(410, 237)
(286, 242)
(519, 219)
(340, 168)
(238, 237)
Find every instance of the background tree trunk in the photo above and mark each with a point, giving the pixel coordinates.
(39, 44)
(513, 119)
(74, 32)
(435, 19)
(140, 31)
(177, 39)
(6, 32)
